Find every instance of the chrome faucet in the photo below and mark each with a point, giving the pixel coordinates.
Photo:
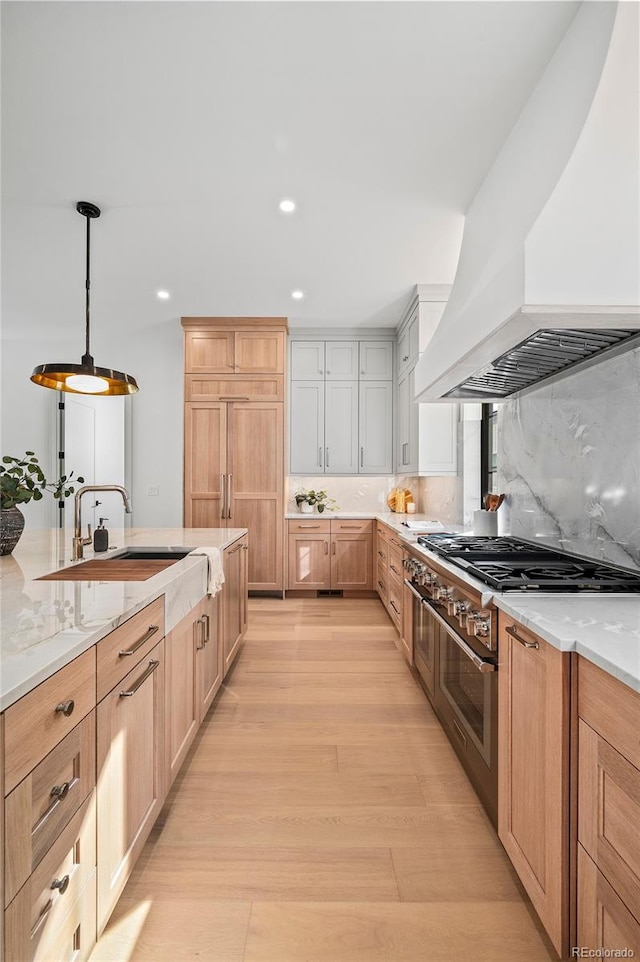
(78, 541)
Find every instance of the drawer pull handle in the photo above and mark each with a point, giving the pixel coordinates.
(394, 607)
(235, 397)
(300, 525)
(131, 651)
(206, 621)
(66, 707)
(141, 680)
(41, 918)
(58, 793)
(511, 630)
(61, 884)
(349, 527)
(394, 569)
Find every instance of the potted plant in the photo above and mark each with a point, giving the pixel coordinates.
(23, 480)
(308, 500)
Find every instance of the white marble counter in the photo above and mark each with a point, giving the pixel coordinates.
(45, 624)
(605, 629)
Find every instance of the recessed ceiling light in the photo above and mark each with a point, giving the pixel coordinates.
(297, 295)
(163, 295)
(287, 206)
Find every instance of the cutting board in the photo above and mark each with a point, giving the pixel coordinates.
(104, 570)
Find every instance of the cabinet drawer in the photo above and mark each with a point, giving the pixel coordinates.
(42, 921)
(604, 922)
(395, 565)
(610, 708)
(395, 544)
(121, 650)
(395, 603)
(232, 387)
(382, 532)
(38, 721)
(44, 802)
(609, 813)
(312, 526)
(351, 524)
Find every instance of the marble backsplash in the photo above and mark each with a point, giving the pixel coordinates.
(569, 462)
(361, 493)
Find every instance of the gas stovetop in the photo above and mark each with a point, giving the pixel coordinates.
(512, 564)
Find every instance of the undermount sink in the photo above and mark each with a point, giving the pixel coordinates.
(150, 554)
(132, 564)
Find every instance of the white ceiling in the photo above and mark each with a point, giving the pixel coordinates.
(188, 122)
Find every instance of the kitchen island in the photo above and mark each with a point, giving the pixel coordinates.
(45, 624)
(105, 684)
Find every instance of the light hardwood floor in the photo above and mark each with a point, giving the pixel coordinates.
(322, 816)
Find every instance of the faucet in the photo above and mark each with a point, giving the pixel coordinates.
(78, 541)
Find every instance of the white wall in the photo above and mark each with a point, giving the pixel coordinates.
(154, 357)
(489, 283)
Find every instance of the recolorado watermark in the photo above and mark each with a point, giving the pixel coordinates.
(582, 952)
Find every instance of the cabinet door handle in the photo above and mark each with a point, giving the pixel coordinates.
(361, 457)
(66, 708)
(320, 457)
(235, 398)
(131, 651)
(206, 620)
(511, 630)
(198, 634)
(406, 357)
(333, 547)
(141, 680)
(326, 547)
(326, 457)
(229, 494)
(223, 495)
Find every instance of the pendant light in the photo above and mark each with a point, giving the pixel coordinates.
(85, 378)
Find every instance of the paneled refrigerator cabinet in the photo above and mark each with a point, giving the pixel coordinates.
(234, 435)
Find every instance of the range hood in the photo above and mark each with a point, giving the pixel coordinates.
(548, 277)
(540, 356)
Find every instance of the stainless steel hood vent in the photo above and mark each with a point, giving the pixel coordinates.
(538, 357)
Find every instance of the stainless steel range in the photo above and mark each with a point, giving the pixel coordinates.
(455, 635)
(509, 564)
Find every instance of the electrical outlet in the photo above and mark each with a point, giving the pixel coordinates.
(153, 490)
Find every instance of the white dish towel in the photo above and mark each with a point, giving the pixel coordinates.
(215, 577)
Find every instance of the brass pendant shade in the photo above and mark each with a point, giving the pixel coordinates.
(85, 377)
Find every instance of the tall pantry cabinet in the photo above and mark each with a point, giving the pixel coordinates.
(234, 434)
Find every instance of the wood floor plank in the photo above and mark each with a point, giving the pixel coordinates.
(148, 930)
(456, 870)
(401, 932)
(253, 757)
(301, 873)
(352, 827)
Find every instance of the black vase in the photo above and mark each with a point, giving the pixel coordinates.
(11, 527)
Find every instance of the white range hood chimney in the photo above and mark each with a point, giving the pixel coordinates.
(552, 238)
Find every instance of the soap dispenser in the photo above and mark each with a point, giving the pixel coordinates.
(101, 537)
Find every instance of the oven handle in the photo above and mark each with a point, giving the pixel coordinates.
(480, 663)
(413, 591)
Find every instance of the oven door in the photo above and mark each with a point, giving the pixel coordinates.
(466, 701)
(425, 642)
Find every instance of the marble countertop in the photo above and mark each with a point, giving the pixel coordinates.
(46, 624)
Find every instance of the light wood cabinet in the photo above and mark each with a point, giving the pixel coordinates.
(193, 676)
(330, 555)
(233, 601)
(234, 345)
(131, 773)
(533, 767)
(47, 877)
(608, 811)
(234, 443)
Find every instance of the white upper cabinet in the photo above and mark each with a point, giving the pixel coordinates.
(376, 360)
(341, 359)
(376, 427)
(307, 360)
(426, 434)
(336, 426)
